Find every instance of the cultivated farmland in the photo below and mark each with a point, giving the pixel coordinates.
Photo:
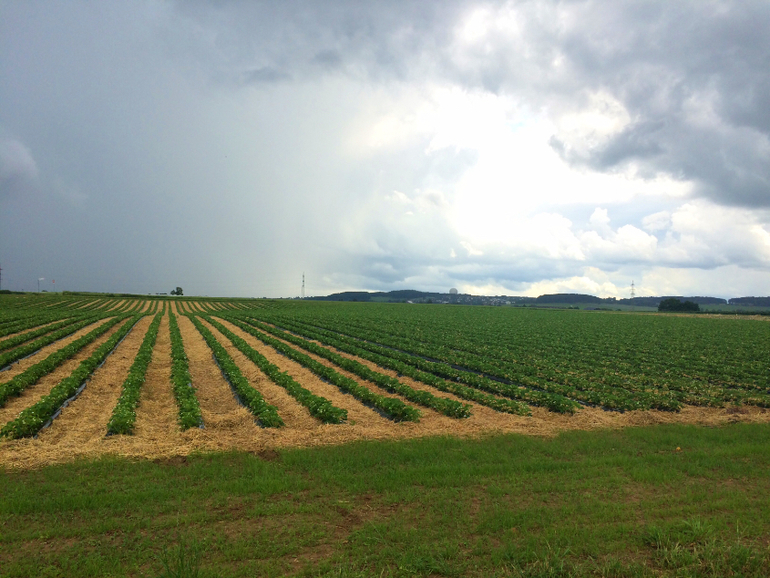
(158, 377)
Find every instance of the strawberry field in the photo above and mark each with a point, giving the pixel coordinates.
(86, 375)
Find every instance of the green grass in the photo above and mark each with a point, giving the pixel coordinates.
(610, 503)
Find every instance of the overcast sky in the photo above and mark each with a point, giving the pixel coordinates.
(512, 148)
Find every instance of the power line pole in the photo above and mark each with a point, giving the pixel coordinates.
(633, 292)
(1, 278)
(303, 285)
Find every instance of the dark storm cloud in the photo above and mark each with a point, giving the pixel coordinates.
(266, 74)
(694, 77)
(227, 146)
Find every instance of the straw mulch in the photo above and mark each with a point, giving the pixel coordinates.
(80, 431)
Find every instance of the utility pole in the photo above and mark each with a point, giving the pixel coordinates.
(303, 285)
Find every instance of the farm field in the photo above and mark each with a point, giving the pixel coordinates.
(167, 377)
(155, 437)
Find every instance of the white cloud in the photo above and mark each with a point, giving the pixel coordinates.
(592, 282)
(657, 221)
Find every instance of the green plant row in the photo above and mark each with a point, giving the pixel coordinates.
(32, 375)
(34, 334)
(33, 418)
(18, 325)
(540, 377)
(552, 401)
(431, 372)
(650, 360)
(395, 408)
(253, 401)
(382, 359)
(319, 407)
(446, 406)
(10, 356)
(124, 415)
(189, 409)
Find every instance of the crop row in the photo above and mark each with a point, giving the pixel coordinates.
(319, 407)
(251, 399)
(436, 373)
(613, 388)
(446, 406)
(692, 358)
(32, 419)
(426, 372)
(395, 408)
(124, 414)
(17, 340)
(33, 374)
(535, 378)
(17, 325)
(24, 350)
(181, 382)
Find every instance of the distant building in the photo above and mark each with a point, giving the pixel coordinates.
(453, 291)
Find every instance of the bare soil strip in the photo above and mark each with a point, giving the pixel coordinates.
(23, 364)
(83, 422)
(33, 394)
(156, 416)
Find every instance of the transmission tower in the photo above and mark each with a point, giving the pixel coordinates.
(1, 277)
(303, 285)
(633, 291)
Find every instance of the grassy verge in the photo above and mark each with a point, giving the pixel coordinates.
(610, 503)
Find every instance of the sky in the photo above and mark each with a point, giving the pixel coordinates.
(500, 148)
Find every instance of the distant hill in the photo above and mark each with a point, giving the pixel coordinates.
(570, 298)
(553, 299)
(575, 298)
(751, 301)
(394, 296)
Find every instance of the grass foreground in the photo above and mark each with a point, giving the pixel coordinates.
(657, 501)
